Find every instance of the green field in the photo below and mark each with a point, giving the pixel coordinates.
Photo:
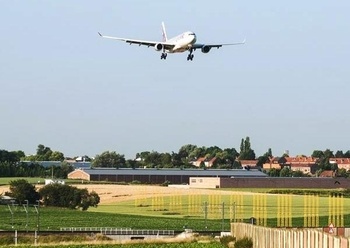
(141, 245)
(54, 219)
(199, 212)
(33, 180)
(190, 212)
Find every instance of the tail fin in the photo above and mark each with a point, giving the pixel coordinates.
(165, 37)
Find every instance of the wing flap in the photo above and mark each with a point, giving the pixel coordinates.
(195, 46)
(140, 42)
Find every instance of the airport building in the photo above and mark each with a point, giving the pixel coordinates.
(158, 176)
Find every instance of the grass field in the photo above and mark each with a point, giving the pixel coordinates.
(152, 213)
(54, 219)
(140, 245)
(154, 207)
(34, 180)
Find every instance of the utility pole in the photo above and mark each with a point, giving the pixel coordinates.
(37, 207)
(206, 214)
(11, 216)
(223, 216)
(26, 210)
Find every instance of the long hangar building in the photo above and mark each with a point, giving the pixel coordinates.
(210, 178)
(159, 176)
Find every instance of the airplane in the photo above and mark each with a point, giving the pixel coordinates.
(181, 43)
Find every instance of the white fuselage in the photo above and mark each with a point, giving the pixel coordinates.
(182, 42)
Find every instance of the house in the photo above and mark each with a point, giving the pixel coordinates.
(248, 163)
(207, 162)
(343, 163)
(301, 160)
(273, 163)
(307, 165)
(304, 168)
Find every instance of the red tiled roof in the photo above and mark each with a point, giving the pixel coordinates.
(327, 173)
(301, 159)
(340, 160)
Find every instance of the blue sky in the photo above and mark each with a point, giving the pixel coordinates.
(63, 86)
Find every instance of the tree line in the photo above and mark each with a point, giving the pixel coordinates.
(225, 158)
(17, 164)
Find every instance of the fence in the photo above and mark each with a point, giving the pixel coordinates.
(264, 237)
(118, 231)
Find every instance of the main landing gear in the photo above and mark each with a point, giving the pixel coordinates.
(190, 56)
(163, 56)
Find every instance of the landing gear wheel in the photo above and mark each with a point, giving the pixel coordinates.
(163, 56)
(190, 57)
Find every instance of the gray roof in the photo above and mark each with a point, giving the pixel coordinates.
(177, 172)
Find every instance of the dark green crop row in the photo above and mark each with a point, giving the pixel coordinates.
(141, 245)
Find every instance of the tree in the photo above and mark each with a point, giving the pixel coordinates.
(109, 159)
(273, 172)
(285, 172)
(186, 150)
(63, 170)
(246, 152)
(323, 161)
(66, 196)
(12, 157)
(56, 156)
(44, 153)
(317, 154)
(347, 154)
(22, 190)
(297, 173)
(265, 158)
(339, 154)
(343, 173)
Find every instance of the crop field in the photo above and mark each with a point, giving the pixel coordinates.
(154, 207)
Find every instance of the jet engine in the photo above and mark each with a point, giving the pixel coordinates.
(158, 47)
(205, 49)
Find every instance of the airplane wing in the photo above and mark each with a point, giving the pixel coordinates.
(196, 45)
(167, 46)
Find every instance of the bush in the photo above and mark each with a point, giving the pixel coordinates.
(135, 182)
(66, 196)
(166, 183)
(244, 243)
(225, 240)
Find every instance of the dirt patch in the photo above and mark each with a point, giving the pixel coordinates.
(119, 193)
(110, 193)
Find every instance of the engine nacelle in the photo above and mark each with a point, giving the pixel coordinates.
(205, 49)
(158, 47)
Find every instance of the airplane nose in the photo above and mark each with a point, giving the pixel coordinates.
(194, 39)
